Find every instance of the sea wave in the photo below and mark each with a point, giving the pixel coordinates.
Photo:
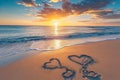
(23, 41)
(70, 36)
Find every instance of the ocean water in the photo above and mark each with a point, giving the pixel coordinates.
(21, 41)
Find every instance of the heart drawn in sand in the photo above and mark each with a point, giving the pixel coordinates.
(68, 74)
(82, 59)
(52, 64)
(91, 75)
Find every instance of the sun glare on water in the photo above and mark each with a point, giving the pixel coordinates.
(57, 43)
(55, 23)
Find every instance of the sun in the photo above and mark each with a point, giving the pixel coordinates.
(55, 1)
(55, 23)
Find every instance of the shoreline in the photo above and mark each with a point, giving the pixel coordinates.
(35, 52)
(105, 53)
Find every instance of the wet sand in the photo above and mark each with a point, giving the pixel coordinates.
(105, 53)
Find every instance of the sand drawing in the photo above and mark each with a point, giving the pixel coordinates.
(83, 60)
(68, 74)
(91, 75)
(55, 63)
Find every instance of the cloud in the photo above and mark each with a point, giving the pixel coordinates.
(101, 12)
(28, 3)
(55, 1)
(106, 14)
(69, 8)
(111, 16)
(100, 22)
(85, 21)
(110, 23)
(47, 12)
(85, 5)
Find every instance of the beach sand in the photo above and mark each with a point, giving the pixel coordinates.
(106, 54)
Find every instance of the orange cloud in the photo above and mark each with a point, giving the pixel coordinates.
(68, 8)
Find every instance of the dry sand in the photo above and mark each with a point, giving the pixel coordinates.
(106, 54)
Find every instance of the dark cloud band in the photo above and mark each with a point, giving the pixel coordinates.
(28, 3)
(69, 8)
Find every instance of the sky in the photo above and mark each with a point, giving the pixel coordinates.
(65, 12)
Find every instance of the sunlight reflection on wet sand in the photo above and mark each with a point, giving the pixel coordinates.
(57, 43)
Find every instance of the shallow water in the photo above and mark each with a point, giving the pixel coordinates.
(20, 40)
